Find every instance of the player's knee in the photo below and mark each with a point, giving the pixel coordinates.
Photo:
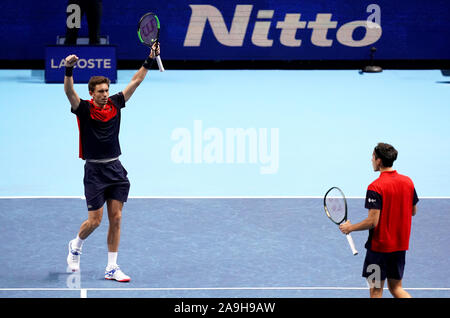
(115, 219)
(398, 292)
(396, 289)
(376, 292)
(95, 223)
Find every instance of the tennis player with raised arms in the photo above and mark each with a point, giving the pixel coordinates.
(391, 200)
(105, 179)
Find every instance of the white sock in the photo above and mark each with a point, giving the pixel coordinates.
(78, 243)
(112, 258)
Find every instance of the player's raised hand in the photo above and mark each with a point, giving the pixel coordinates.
(154, 52)
(71, 60)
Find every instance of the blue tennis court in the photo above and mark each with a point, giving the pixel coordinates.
(227, 172)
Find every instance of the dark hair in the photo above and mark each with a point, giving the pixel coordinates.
(95, 80)
(387, 153)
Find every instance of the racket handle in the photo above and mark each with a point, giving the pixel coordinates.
(352, 244)
(160, 65)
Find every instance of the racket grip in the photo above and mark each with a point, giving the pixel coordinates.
(160, 65)
(352, 244)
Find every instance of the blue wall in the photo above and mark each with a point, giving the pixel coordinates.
(410, 29)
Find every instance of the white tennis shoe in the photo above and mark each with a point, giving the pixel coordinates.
(113, 272)
(73, 258)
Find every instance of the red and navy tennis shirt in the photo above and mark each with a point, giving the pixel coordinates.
(394, 195)
(99, 128)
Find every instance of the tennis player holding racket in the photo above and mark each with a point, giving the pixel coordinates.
(105, 179)
(391, 200)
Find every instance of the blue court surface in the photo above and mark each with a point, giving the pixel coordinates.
(227, 171)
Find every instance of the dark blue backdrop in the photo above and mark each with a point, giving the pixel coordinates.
(414, 29)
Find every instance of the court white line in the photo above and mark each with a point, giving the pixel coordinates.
(214, 288)
(174, 197)
(84, 291)
(202, 197)
(41, 197)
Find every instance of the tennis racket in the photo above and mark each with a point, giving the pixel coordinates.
(148, 33)
(335, 206)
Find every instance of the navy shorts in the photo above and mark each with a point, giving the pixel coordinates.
(103, 181)
(391, 265)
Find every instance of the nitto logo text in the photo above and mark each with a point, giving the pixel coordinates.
(289, 26)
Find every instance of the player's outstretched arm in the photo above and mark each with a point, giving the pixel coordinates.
(73, 97)
(141, 73)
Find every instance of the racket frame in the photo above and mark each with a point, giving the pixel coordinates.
(349, 237)
(158, 58)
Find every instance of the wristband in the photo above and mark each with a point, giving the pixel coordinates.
(148, 63)
(69, 71)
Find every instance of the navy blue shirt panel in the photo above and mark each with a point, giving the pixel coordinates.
(99, 139)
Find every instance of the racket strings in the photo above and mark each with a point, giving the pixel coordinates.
(336, 208)
(148, 29)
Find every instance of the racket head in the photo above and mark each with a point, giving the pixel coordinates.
(335, 205)
(148, 29)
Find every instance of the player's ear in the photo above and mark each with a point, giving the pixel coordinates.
(379, 162)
